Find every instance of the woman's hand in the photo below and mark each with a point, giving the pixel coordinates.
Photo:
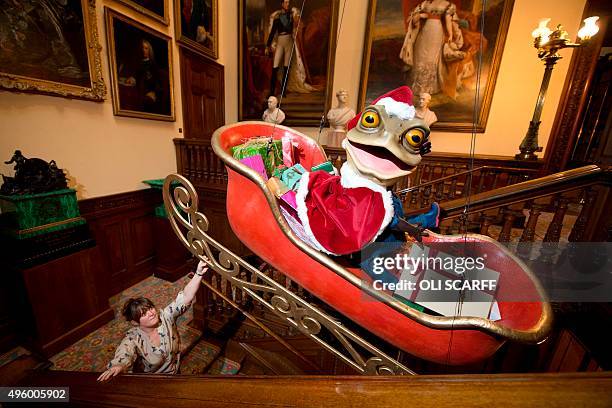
(111, 372)
(201, 269)
(195, 282)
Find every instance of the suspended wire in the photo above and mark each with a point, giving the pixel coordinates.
(461, 296)
(475, 114)
(322, 122)
(286, 77)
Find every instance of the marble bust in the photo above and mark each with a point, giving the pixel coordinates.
(273, 114)
(338, 118)
(421, 105)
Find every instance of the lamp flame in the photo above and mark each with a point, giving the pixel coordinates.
(542, 32)
(589, 29)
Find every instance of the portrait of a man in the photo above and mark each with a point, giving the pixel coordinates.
(196, 25)
(141, 69)
(276, 60)
(437, 47)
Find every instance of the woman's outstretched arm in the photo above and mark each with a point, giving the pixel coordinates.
(194, 284)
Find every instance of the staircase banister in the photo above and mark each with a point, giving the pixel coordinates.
(531, 189)
(151, 390)
(462, 173)
(493, 160)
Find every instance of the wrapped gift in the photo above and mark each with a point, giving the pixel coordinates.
(291, 177)
(256, 163)
(278, 171)
(271, 151)
(277, 187)
(326, 166)
(289, 203)
(290, 150)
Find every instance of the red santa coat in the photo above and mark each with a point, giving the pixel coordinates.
(342, 214)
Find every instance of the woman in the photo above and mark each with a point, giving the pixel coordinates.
(153, 344)
(433, 40)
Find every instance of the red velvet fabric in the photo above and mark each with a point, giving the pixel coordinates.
(343, 220)
(401, 94)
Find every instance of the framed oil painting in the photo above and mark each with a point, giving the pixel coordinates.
(140, 63)
(450, 49)
(196, 25)
(156, 9)
(277, 41)
(51, 47)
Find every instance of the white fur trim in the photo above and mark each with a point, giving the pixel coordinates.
(300, 198)
(351, 179)
(395, 108)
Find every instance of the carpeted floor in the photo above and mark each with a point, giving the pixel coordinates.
(93, 352)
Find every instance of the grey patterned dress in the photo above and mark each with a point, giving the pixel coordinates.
(140, 356)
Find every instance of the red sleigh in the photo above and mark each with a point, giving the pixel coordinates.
(256, 219)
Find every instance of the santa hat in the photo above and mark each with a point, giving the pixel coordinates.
(397, 102)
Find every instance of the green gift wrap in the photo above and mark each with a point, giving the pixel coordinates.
(278, 172)
(270, 150)
(325, 166)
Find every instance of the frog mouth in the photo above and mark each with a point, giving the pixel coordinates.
(377, 161)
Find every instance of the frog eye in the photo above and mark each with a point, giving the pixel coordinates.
(370, 119)
(413, 138)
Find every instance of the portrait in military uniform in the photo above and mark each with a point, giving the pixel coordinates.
(278, 57)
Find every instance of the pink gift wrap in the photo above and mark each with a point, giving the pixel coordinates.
(256, 163)
(288, 202)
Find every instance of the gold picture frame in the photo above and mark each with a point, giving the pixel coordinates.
(142, 82)
(67, 78)
(198, 38)
(255, 66)
(384, 69)
(147, 11)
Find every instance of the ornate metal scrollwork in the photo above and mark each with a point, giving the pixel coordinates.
(191, 226)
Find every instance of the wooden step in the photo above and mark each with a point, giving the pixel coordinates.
(14, 372)
(268, 362)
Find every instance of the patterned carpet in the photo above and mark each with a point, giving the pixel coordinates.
(93, 352)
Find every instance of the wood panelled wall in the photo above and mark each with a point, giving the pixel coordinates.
(202, 90)
(67, 299)
(123, 227)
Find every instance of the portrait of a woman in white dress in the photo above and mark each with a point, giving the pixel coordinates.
(432, 40)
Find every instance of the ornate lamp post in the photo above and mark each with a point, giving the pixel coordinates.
(549, 43)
